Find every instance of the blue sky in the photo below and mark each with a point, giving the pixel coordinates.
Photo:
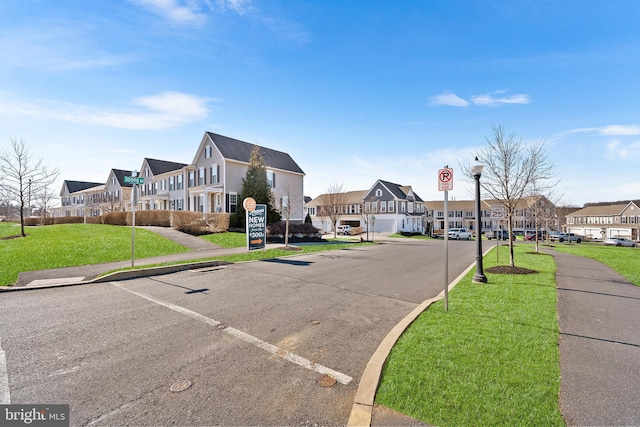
(353, 90)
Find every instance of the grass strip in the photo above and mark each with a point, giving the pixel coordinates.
(66, 245)
(492, 359)
(626, 261)
(227, 240)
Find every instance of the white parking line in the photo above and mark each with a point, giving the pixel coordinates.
(5, 395)
(273, 349)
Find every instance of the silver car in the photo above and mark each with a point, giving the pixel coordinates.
(619, 241)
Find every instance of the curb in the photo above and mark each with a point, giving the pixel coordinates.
(124, 275)
(363, 404)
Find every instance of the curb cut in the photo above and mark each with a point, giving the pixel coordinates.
(363, 404)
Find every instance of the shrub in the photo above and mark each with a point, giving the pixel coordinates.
(278, 228)
(116, 218)
(69, 220)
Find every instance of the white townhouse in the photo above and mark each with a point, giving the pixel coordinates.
(79, 198)
(163, 186)
(214, 177)
(211, 183)
(601, 221)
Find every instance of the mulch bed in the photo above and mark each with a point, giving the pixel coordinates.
(507, 269)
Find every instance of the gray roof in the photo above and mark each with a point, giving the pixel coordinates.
(75, 186)
(158, 167)
(399, 190)
(120, 174)
(241, 151)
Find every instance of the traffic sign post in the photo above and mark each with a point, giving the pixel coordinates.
(445, 183)
(134, 180)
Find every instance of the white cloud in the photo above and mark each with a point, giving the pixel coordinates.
(175, 11)
(166, 110)
(54, 48)
(448, 99)
(490, 100)
(620, 130)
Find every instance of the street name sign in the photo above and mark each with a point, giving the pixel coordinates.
(257, 228)
(133, 180)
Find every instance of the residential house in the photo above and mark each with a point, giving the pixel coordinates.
(214, 177)
(386, 207)
(348, 210)
(394, 208)
(163, 186)
(74, 197)
(602, 221)
(460, 213)
(528, 212)
(212, 182)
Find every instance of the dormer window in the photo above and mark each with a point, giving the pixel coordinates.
(207, 152)
(378, 193)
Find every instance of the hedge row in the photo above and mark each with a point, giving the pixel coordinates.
(190, 222)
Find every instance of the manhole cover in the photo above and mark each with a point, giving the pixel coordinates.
(181, 385)
(327, 380)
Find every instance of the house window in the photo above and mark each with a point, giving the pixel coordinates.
(192, 179)
(391, 206)
(378, 192)
(285, 203)
(311, 211)
(207, 151)
(172, 183)
(233, 202)
(201, 176)
(179, 204)
(402, 208)
(113, 180)
(271, 179)
(163, 185)
(180, 184)
(214, 174)
(146, 172)
(374, 206)
(383, 206)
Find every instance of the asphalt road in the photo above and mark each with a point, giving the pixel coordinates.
(253, 339)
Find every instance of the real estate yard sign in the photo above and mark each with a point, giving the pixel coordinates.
(256, 227)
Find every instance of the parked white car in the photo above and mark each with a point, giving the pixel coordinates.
(459, 233)
(619, 241)
(344, 229)
(566, 237)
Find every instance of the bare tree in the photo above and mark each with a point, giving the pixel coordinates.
(334, 201)
(291, 197)
(22, 175)
(45, 200)
(511, 167)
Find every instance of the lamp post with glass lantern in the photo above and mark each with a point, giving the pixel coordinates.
(479, 277)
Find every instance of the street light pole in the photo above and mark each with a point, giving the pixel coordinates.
(479, 277)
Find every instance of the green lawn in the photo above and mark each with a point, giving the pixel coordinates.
(66, 245)
(419, 237)
(492, 359)
(227, 240)
(625, 261)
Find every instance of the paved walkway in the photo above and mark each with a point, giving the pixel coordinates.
(599, 315)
